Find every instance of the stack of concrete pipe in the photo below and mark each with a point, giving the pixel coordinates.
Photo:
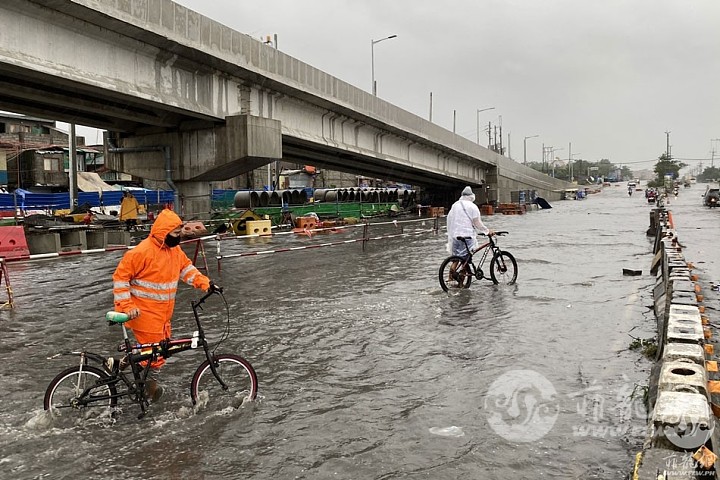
(277, 198)
(363, 195)
(261, 198)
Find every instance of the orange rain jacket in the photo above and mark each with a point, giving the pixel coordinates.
(147, 278)
(129, 208)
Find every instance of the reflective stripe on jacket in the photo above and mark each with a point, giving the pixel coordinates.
(147, 277)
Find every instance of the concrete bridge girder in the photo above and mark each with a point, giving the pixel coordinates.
(304, 123)
(165, 75)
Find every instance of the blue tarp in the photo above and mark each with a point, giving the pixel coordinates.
(26, 200)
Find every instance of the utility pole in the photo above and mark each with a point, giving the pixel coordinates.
(73, 168)
(501, 152)
(667, 147)
(712, 152)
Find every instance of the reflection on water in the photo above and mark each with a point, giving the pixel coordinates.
(367, 369)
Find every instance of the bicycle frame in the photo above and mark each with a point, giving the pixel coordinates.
(459, 269)
(136, 355)
(477, 267)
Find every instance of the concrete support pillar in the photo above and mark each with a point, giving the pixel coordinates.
(192, 159)
(492, 188)
(195, 200)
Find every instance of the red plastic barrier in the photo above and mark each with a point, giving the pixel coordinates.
(13, 243)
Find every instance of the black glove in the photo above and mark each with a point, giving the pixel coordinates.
(215, 288)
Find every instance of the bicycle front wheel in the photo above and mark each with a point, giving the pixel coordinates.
(455, 273)
(80, 394)
(237, 374)
(503, 268)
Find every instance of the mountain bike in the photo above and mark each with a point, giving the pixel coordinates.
(93, 390)
(458, 271)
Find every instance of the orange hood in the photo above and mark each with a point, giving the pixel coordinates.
(166, 222)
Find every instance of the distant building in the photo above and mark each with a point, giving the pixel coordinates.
(45, 168)
(21, 134)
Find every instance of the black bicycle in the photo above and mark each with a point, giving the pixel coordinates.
(458, 271)
(87, 390)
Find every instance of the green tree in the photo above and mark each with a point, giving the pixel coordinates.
(667, 166)
(709, 174)
(604, 167)
(626, 173)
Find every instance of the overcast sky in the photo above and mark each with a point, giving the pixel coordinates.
(610, 77)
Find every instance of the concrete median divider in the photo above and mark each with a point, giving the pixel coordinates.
(684, 390)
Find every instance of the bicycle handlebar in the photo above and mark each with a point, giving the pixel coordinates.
(211, 291)
(500, 233)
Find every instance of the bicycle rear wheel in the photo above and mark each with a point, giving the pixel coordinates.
(235, 372)
(78, 394)
(503, 268)
(455, 273)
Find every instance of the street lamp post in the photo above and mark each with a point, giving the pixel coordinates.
(525, 148)
(372, 58)
(478, 121)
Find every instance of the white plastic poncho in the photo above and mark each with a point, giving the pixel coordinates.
(463, 220)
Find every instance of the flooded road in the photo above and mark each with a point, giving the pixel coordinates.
(367, 369)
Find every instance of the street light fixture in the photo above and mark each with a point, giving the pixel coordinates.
(478, 121)
(525, 148)
(372, 57)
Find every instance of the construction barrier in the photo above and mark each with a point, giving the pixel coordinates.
(13, 243)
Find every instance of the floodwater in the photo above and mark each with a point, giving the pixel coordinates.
(367, 369)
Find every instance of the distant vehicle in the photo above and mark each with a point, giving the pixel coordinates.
(570, 194)
(711, 198)
(631, 187)
(651, 195)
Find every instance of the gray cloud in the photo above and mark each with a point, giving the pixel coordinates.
(611, 77)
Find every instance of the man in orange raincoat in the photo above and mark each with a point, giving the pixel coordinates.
(129, 210)
(145, 281)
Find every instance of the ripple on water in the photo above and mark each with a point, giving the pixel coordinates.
(363, 361)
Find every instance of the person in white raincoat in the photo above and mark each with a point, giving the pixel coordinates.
(463, 220)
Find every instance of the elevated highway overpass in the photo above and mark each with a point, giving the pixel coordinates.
(188, 100)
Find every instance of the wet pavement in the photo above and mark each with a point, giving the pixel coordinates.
(367, 368)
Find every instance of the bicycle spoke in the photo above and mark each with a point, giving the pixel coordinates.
(80, 395)
(238, 376)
